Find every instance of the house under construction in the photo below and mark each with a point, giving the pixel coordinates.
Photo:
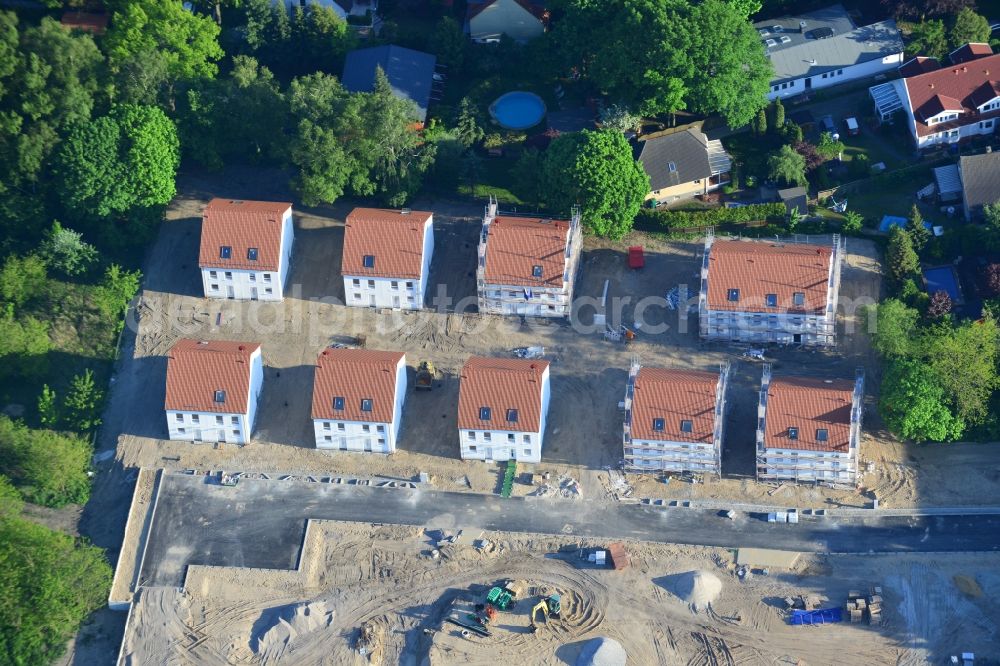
(674, 419)
(808, 429)
(527, 265)
(754, 291)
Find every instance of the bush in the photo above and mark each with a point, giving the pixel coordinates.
(22, 279)
(47, 467)
(696, 219)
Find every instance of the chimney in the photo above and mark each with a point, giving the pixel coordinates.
(932, 86)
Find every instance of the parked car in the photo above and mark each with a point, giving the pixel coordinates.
(828, 124)
(853, 129)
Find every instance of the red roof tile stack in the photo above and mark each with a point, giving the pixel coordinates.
(355, 375)
(197, 369)
(809, 405)
(517, 244)
(241, 225)
(395, 239)
(958, 87)
(501, 384)
(674, 396)
(758, 269)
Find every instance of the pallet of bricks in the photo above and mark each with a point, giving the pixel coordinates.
(859, 607)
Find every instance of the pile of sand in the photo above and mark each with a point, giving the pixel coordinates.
(602, 652)
(698, 588)
(278, 627)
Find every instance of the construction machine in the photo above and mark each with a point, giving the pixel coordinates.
(425, 376)
(550, 608)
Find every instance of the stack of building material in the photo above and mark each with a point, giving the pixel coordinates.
(855, 606)
(875, 606)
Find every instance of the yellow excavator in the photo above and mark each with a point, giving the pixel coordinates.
(550, 608)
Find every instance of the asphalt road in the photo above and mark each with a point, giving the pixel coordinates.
(262, 523)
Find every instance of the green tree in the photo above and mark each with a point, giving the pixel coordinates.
(969, 27)
(777, 115)
(143, 79)
(928, 38)
(760, 123)
(619, 118)
(853, 222)
(48, 407)
(83, 403)
(321, 38)
(787, 166)
(829, 148)
(963, 359)
(24, 344)
(448, 42)
(323, 110)
(892, 326)
(22, 279)
(50, 583)
(468, 126)
(116, 291)
(189, 42)
(595, 170)
(919, 234)
(745, 7)
(901, 259)
(914, 406)
(120, 161)
(991, 215)
(11, 503)
(47, 467)
(64, 250)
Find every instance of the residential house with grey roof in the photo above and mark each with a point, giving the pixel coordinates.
(410, 73)
(980, 177)
(683, 164)
(825, 48)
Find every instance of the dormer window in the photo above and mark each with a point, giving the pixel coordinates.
(733, 295)
(822, 434)
(366, 404)
(793, 432)
(338, 404)
(512, 415)
(252, 254)
(687, 426)
(799, 298)
(536, 271)
(658, 425)
(220, 396)
(771, 300)
(368, 261)
(485, 413)
(226, 252)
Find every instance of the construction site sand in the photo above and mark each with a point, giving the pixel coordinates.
(383, 578)
(698, 588)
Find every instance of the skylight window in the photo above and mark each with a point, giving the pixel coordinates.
(368, 261)
(822, 434)
(658, 425)
(687, 426)
(734, 295)
(338, 404)
(793, 433)
(226, 252)
(799, 298)
(671, 167)
(771, 300)
(366, 404)
(485, 413)
(252, 254)
(220, 395)
(536, 271)
(512, 415)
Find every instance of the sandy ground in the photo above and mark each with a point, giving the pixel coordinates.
(383, 579)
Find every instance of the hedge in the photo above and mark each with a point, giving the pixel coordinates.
(696, 219)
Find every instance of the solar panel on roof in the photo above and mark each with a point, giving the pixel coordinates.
(821, 33)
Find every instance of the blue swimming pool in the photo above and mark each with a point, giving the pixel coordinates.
(518, 110)
(943, 279)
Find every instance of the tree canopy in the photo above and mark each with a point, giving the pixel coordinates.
(969, 27)
(596, 170)
(47, 467)
(787, 166)
(914, 406)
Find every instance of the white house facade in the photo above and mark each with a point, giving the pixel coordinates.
(358, 398)
(387, 258)
(767, 292)
(809, 430)
(212, 391)
(674, 420)
(527, 266)
(246, 249)
(503, 408)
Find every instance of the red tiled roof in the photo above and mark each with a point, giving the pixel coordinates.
(394, 239)
(955, 85)
(971, 51)
(808, 404)
(86, 21)
(918, 65)
(674, 396)
(355, 375)
(501, 384)
(475, 9)
(758, 269)
(197, 369)
(517, 244)
(242, 225)
(938, 104)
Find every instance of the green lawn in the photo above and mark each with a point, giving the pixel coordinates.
(889, 199)
(495, 180)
